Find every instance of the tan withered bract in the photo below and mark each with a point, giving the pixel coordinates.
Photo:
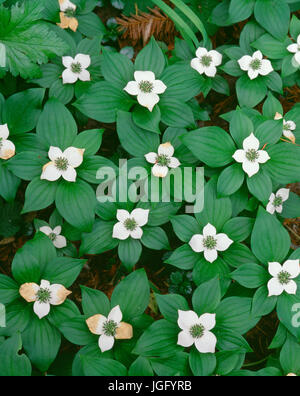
(124, 331)
(66, 22)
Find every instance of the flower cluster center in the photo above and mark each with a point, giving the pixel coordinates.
(70, 12)
(197, 331)
(287, 127)
(52, 236)
(284, 277)
(256, 64)
(163, 160)
(1, 142)
(206, 60)
(43, 295)
(76, 68)
(146, 86)
(210, 242)
(277, 202)
(110, 328)
(62, 164)
(130, 224)
(252, 155)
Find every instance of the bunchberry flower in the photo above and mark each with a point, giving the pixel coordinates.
(295, 49)
(276, 200)
(288, 127)
(206, 62)
(76, 68)
(147, 88)
(283, 276)
(163, 160)
(67, 15)
(130, 224)
(59, 241)
(255, 65)
(196, 330)
(7, 148)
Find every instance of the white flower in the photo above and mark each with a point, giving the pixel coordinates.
(109, 328)
(76, 68)
(282, 277)
(130, 223)
(58, 240)
(163, 160)
(276, 200)
(147, 88)
(206, 61)
(295, 49)
(196, 330)
(62, 164)
(288, 127)
(255, 65)
(66, 5)
(210, 243)
(44, 296)
(251, 156)
(7, 148)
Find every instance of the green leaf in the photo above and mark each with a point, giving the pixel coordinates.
(90, 25)
(147, 120)
(211, 145)
(28, 41)
(291, 208)
(185, 227)
(103, 100)
(27, 165)
(129, 252)
(287, 308)
(262, 304)
(250, 92)
(65, 311)
(100, 367)
(230, 180)
(169, 305)
(290, 356)
(56, 126)
(151, 58)
(9, 184)
(89, 140)
(202, 364)
(13, 364)
(155, 238)
(176, 114)
(160, 339)
(77, 332)
(272, 106)
(117, 68)
(22, 110)
(251, 276)
(41, 342)
(9, 290)
(132, 294)
(183, 257)
(274, 16)
(260, 185)
(207, 297)
(135, 140)
(239, 228)
(39, 195)
(63, 270)
(270, 241)
(76, 202)
(240, 127)
(238, 254)
(141, 367)
(100, 239)
(271, 47)
(94, 302)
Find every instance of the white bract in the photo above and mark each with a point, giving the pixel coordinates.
(66, 5)
(196, 330)
(210, 243)
(276, 200)
(76, 68)
(206, 61)
(146, 88)
(7, 148)
(255, 65)
(130, 224)
(59, 241)
(251, 156)
(163, 160)
(62, 164)
(295, 49)
(109, 328)
(288, 127)
(283, 276)
(44, 296)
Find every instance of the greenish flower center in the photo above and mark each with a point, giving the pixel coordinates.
(206, 60)
(284, 277)
(110, 328)
(146, 86)
(277, 202)
(43, 295)
(210, 242)
(252, 155)
(287, 127)
(70, 12)
(1, 142)
(61, 164)
(52, 236)
(256, 64)
(130, 224)
(76, 68)
(163, 160)
(197, 331)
